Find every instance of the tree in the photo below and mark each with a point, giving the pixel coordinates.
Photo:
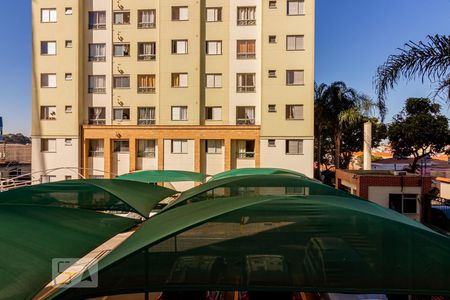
(417, 60)
(419, 130)
(16, 139)
(337, 107)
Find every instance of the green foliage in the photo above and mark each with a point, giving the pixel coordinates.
(419, 130)
(16, 139)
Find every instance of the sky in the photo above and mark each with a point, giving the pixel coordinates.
(353, 37)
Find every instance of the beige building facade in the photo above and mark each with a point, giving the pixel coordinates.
(207, 86)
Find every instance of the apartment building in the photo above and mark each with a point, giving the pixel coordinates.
(207, 86)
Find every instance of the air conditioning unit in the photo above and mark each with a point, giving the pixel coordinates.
(399, 173)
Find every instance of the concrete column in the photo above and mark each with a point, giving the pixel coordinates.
(107, 156)
(257, 153)
(160, 154)
(227, 146)
(368, 146)
(197, 156)
(85, 155)
(133, 154)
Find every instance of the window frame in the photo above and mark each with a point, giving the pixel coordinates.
(212, 113)
(182, 149)
(246, 22)
(180, 107)
(215, 76)
(121, 148)
(218, 146)
(96, 26)
(125, 53)
(45, 113)
(96, 90)
(146, 121)
(219, 46)
(98, 150)
(124, 13)
(49, 54)
(174, 8)
(302, 13)
(293, 76)
(245, 55)
(295, 36)
(173, 78)
(49, 86)
(123, 109)
(48, 150)
(175, 47)
(100, 121)
(49, 15)
(299, 142)
(121, 77)
(302, 117)
(218, 15)
(246, 88)
(140, 24)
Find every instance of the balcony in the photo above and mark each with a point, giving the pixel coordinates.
(97, 122)
(97, 90)
(146, 122)
(245, 122)
(245, 55)
(146, 90)
(97, 58)
(146, 25)
(146, 57)
(97, 26)
(245, 155)
(246, 89)
(246, 22)
(147, 154)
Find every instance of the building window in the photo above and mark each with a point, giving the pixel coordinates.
(69, 11)
(294, 147)
(121, 82)
(213, 80)
(68, 142)
(180, 13)
(271, 143)
(179, 46)
(121, 146)
(121, 114)
(68, 177)
(122, 18)
(97, 84)
(246, 49)
(146, 116)
(97, 52)
(48, 15)
(68, 109)
(179, 113)
(97, 115)
(48, 48)
(48, 145)
(246, 82)
(68, 43)
(272, 39)
(213, 14)
(96, 148)
(179, 146)
(294, 112)
(272, 108)
(214, 47)
(295, 7)
(246, 149)
(272, 4)
(97, 20)
(146, 51)
(246, 16)
(179, 80)
(295, 77)
(295, 42)
(48, 80)
(214, 146)
(147, 18)
(48, 112)
(272, 73)
(48, 178)
(146, 84)
(403, 203)
(146, 148)
(213, 113)
(121, 49)
(68, 76)
(245, 115)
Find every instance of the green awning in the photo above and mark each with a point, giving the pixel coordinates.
(32, 235)
(94, 194)
(253, 171)
(320, 243)
(268, 185)
(155, 176)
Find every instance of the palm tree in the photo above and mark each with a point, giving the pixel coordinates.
(422, 60)
(337, 106)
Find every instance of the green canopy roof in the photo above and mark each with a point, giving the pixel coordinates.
(271, 184)
(155, 176)
(326, 243)
(32, 235)
(253, 171)
(94, 194)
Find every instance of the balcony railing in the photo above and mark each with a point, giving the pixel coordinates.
(144, 25)
(246, 22)
(97, 122)
(95, 153)
(245, 121)
(97, 58)
(146, 122)
(245, 155)
(246, 89)
(97, 26)
(146, 57)
(246, 55)
(97, 90)
(147, 154)
(146, 90)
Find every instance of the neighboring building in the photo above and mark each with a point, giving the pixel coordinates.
(1, 130)
(444, 187)
(433, 167)
(15, 162)
(402, 193)
(201, 86)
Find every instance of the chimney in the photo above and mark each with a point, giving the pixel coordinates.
(368, 145)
